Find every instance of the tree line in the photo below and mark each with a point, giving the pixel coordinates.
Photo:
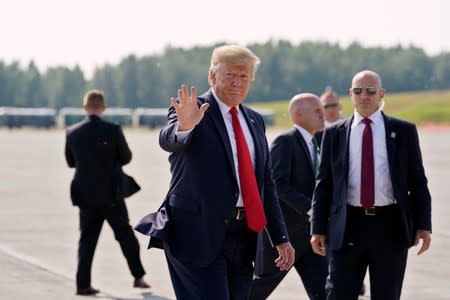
(286, 69)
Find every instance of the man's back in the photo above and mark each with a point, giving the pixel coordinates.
(97, 149)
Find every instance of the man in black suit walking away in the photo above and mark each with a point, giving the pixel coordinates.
(294, 165)
(371, 201)
(97, 150)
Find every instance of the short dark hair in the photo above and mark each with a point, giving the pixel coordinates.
(94, 99)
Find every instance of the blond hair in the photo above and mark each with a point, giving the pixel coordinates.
(234, 55)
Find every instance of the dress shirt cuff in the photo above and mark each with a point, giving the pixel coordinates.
(309, 214)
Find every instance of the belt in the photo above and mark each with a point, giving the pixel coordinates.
(239, 214)
(372, 211)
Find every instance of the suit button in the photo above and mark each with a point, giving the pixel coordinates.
(236, 194)
(226, 221)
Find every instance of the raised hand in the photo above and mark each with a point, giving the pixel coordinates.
(188, 112)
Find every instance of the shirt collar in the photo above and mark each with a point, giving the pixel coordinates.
(305, 134)
(329, 124)
(376, 118)
(224, 109)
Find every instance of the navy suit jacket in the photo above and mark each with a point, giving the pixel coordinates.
(204, 188)
(407, 176)
(294, 177)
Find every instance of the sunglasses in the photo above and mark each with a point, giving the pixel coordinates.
(369, 90)
(331, 105)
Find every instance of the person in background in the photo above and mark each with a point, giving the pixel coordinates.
(370, 203)
(97, 150)
(332, 107)
(294, 166)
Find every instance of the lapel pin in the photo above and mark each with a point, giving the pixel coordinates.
(251, 120)
(393, 134)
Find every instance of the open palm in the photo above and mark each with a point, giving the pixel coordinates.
(188, 112)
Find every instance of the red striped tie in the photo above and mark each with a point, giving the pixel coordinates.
(256, 218)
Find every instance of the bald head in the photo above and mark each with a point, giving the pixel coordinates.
(367, 92)
(367, 74)
(306, 111)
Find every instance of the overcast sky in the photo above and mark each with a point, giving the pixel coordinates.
(94, 32)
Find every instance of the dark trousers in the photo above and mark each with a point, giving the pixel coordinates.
(91, 222)
(228, 277)
(312, 268)
(374, 242)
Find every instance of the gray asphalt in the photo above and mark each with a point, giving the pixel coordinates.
(39, 227)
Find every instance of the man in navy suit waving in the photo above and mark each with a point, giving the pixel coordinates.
(371, 201)
(222, 197)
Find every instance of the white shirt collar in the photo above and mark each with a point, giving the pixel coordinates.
(224, 109)
(305, 134)
(329, 124)
(376, 118)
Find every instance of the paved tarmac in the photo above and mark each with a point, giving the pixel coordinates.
(39, 227)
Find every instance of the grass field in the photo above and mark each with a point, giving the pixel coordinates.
(418, 107)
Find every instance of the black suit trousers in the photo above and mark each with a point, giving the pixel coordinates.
(91, 222)
(373, 242)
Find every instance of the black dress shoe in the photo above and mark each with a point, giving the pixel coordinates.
(140, 283)
(87, 291)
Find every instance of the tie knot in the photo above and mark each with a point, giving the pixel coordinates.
(367, 121)
(233, 111)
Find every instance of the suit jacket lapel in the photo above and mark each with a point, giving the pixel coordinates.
(344, 139)
(390, 145)
(304, 146)
(216, 117)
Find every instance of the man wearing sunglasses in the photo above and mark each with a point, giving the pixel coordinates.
(332, 107)
(371, 201)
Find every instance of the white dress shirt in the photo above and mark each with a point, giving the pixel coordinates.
(225, 110)
(329, 124)
(383, 185)
(308, 139)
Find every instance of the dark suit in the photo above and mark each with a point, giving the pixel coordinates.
(355, 240)
(294, 176)
(98, 149)
(203, 236)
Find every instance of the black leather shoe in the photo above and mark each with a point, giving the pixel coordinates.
(87, 291)
(140, 283)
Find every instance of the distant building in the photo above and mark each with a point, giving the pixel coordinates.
(16, 117)
(70, 115)
(151, 117)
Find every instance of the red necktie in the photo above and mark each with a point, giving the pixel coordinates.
(256, 218)
(367, 169)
